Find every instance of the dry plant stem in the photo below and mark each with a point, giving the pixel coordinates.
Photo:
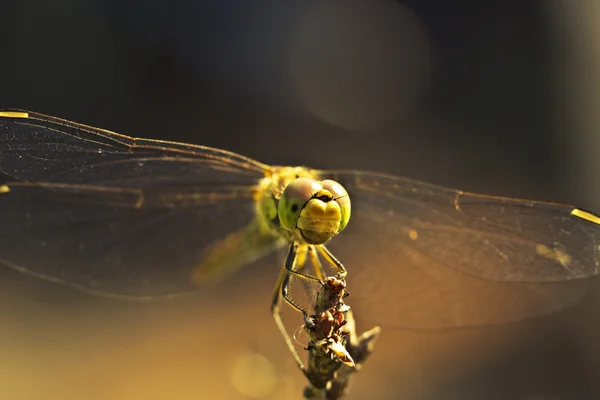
(335, 351)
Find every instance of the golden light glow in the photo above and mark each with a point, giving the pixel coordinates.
(253, 375)
(413, 235)
(4, 189)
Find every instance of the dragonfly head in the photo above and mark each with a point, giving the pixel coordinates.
(316, 210)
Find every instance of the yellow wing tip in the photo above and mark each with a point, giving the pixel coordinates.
(14, 114)
(586, 215)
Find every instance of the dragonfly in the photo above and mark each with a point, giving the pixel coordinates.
(143, 219)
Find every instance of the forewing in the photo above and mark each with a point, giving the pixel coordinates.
(424, 256)
(123, 216)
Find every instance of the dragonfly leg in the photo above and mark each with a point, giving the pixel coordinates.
(316, 263)
(314, 258)
(277, 292)
(333, 261)
(292, 268)
(301, 266)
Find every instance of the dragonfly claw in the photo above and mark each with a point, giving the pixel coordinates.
(308, 321)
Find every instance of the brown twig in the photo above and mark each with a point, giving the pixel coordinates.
(335, 351)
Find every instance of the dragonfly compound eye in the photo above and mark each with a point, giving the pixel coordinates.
(341, 197)
(317, 210)
(294, 198)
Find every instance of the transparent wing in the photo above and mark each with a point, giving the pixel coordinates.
(424, 256)
(119, 215)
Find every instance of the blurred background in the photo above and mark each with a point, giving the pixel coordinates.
(493, 97)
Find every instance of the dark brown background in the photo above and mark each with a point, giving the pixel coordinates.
(493, 97)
